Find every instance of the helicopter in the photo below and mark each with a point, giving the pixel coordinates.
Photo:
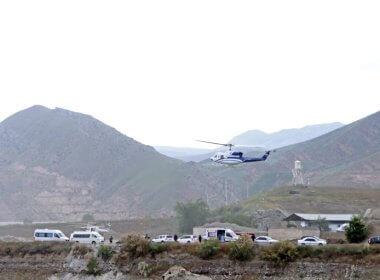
(89, 227)
(234, 157)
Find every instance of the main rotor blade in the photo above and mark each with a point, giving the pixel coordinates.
(228, 145)
(248, 146)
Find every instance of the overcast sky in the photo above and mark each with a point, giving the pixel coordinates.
(170, 72)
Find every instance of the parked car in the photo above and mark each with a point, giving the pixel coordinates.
(312, 236)
(374, 240)
(89, 237)
(163, 238)
(49, 235)
(265, 240)
(312, 241)
(342, 227)
(187, 239)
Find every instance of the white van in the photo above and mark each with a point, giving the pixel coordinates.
(49, 235)
(90, 237)
(221, 234)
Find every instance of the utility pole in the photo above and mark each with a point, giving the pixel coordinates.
(226, 191)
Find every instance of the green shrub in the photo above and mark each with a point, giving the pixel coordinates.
(135, 246)
(105, 252)
(280, 253)
(334, 251)
(357, 230)
(157, 248)
(208, 249)
(242, 249)
(92, 267)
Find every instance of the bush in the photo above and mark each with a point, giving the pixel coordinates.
(357, 230)
(280, 253)
(208, 249)
(81, 250)
(334, 251)
(157, 248)
(144, 269)
(242, 249)
(104, 252)
(32, 248)
(92, 267)
(135, 246)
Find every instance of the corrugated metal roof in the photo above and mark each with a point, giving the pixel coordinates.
(328, 217)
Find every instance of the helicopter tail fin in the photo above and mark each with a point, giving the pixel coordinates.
(265, 156)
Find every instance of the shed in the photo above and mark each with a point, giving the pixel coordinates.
(307, 220)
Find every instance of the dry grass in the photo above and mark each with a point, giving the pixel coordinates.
(21, 249)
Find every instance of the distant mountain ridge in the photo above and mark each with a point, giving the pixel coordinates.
(348, 156)
(59, 165)
(258, 138)
(284, 137)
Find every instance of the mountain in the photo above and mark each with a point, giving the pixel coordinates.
(180, 152)
(60, 165)
(346, 157)
(284, 137)
(258, 138)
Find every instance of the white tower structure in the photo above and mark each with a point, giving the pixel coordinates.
(297, 174)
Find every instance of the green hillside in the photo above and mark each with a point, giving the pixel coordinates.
(315, 200)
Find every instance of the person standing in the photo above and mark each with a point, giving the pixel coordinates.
(200, 238)
(175, 237)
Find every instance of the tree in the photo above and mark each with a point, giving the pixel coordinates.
(191, 214)
(322, 224)
(357, 230)
(87, 218)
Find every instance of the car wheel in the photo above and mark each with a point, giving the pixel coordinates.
(93, 243)
(162, 241)
(320, 244)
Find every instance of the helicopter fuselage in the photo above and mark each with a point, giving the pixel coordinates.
(234, 158)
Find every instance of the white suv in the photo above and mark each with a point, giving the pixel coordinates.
(163, 238)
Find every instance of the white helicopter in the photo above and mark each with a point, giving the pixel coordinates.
(95, 228)
(234, 157)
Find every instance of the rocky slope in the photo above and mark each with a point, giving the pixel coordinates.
(60, 165)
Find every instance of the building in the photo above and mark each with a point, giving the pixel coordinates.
(309, 220)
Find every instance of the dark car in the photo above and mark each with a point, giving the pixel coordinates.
(374, 240)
